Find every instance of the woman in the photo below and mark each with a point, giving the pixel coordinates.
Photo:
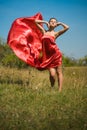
(56, 62)
(36, 46)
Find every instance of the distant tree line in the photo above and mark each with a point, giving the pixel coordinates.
(8, 58)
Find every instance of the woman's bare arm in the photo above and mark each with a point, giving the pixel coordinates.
(65, 28)
(39, 22)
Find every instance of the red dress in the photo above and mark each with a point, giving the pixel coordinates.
(28, 43)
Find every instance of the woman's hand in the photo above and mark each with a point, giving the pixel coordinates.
(58, 23)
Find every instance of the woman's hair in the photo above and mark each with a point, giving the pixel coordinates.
(53, 18)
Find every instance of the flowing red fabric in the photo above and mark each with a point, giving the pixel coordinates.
(28, 43)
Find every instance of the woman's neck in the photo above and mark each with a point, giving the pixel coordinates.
(51, 29)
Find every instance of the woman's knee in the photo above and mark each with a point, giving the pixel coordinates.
(52, 72)
(59, 70)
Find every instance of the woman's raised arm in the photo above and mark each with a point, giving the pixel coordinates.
(65, 28)
(39, 22)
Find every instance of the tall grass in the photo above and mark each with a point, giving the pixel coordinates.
(27, 102)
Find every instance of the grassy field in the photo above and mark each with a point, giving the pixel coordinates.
(27, 102)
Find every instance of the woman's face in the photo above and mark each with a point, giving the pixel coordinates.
(53, 22)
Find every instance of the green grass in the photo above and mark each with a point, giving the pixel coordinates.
(27, 102)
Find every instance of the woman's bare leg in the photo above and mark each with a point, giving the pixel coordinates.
(60, 77)
(52, 76)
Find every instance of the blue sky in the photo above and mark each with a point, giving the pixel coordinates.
(73, 43)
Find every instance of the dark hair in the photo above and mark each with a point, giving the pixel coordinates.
(53, 18)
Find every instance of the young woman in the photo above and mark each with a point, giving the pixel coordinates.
(50, 50)
(36, 46)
